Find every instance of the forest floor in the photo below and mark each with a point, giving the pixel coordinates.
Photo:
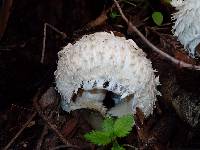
(32, 32)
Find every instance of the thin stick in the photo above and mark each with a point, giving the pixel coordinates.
(20, 131)
(153, 47)
(44, 132)
(44, 43)
(51, 126)
(131, 146)
(63, 146)
(45, 36)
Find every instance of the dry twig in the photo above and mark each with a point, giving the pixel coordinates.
(45, 36)
(51, 126)
(20, 131)
(130, 146)
(100, 19)
(44, 132)
(153, 47)
(63, 146)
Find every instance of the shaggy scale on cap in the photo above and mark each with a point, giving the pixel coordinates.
(187, 23)
(103, 62)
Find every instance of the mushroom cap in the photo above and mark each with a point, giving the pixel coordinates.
(187, 21)
(105, 61)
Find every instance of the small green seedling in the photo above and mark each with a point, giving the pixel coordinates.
(157, 18)
(167, 1)
(111, 130)
(114, 14)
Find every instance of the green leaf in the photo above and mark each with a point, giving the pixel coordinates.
(116, 146)
(157, 18)
(114, 14)
(167, 1)
(123, 125)
(108, 124)
(98, 137)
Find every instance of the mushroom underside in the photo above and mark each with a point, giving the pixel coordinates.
(104, 99)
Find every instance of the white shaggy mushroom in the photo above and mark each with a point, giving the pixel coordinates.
(103, 62)
(187, 24)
